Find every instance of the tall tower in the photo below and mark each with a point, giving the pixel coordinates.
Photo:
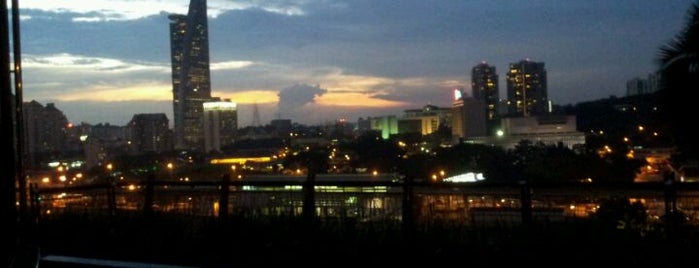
(191, 80)
(526, 89)
(484, 84)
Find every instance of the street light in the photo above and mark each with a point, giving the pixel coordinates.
(170, 168)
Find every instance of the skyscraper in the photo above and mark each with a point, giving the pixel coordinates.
(526, 89)
(191, 80)
(484, 84)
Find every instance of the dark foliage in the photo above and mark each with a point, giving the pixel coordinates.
(679, 69)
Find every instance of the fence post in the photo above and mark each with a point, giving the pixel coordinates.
(149, 196)
(223, 197)
(309, 202)
(526, 201)
(408, 219)
(111, 195)
(670, 203)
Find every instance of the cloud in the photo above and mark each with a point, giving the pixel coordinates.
(249, 96)
(120, 93)
(75, 77)
(68, 62)
(115, 10)
(293, 98)
(358, 100)
(228, 65)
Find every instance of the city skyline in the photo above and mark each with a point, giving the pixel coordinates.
(314, 62)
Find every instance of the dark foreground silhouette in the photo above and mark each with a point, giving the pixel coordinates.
(247, 242)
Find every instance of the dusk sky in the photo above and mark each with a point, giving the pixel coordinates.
(101, 61)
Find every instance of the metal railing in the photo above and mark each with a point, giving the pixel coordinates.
(364, 199)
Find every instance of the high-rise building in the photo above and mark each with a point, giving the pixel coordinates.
(220, 124)
(45, 130)
(484, 85)
(150, 133)
(191, 80)
(526, 89)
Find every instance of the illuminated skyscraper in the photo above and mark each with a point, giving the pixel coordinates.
(484, 83)
(191, 81)
(526, 89)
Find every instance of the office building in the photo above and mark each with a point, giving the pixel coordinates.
(220, 124)
(468, 117)
(527, 94)
(191, 80)
(484, 85)
(45, 131)
(149, 133)
(426, 120)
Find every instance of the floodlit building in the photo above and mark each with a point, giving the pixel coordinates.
(220, 124)
(424, 121)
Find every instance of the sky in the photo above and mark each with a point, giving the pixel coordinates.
(102, 61)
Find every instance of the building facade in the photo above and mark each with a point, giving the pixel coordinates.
(149, 133)
(468, 117)
(388, 125)
(426, 120)
(527, 93)
(484, 86)
(191, 79)
(545, 129)
(220, 124)
(45, 131)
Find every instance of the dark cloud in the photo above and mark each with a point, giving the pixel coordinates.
(52, 33)
(399, 39)
(293, 98)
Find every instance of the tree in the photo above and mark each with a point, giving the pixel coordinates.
(617, 212)
(679, 78)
